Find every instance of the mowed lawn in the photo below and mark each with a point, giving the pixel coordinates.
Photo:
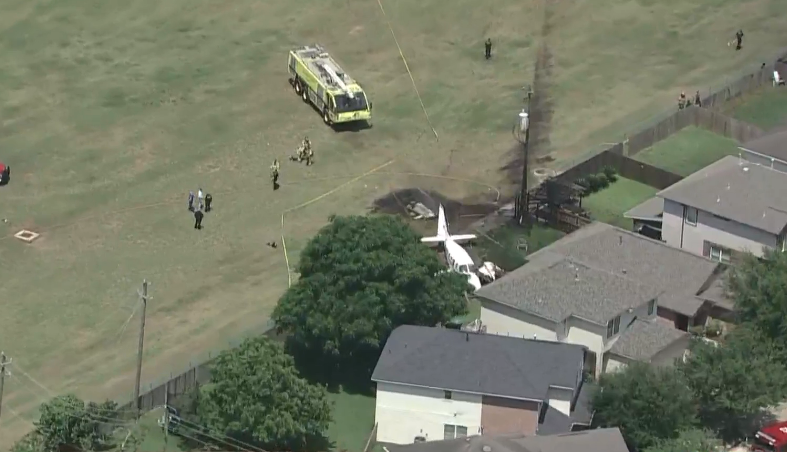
(112, 112)
(609, 204)
(766, 108)
(688, 151)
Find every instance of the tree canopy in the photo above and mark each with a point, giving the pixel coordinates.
(257, 395)
(692, 440)
(734, 382)
(647, 403)
(759, 289)
(67, 421)
(360, 277)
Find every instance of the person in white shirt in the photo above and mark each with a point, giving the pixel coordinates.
(200, 198)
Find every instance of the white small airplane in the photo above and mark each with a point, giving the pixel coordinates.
(458, 259)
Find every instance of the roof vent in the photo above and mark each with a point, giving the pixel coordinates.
(718, 199)
(745, 168)
(576, 276)
(624, 271)
(486, 449)
(728, 185)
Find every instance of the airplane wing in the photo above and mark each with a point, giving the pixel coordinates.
(432, 240)
(463, 237)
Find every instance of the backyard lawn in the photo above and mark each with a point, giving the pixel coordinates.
(353, 420)
(609, 205)
(765, 109)
(508, 245)
(688, 151)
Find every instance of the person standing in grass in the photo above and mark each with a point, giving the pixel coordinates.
(198, 215)
(200, 199)
(191, 201)
(488, 48)
(208, 200)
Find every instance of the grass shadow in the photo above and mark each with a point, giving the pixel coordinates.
(336, 375)
(356, 126)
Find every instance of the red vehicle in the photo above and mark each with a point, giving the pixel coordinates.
(772, 438)
(5, 173)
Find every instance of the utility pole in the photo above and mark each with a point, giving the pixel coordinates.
(3, 362)
(522, 135)
(144, 296)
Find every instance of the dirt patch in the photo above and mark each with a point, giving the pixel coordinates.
(459, 214)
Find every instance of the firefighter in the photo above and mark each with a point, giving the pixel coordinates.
(275, 174)
(697, 99)
(309, 156)
(682, 100)
(208, 200)
(739, 39)
(198, 215)
(488, 48)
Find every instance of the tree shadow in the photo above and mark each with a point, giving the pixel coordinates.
(336, 374)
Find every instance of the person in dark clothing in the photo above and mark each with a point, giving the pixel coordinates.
(488, 48)
(739, 39)
(198, 219)
(208, 200)
(697, 100)
(191, 201)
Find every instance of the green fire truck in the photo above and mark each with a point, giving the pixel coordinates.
(320, 81)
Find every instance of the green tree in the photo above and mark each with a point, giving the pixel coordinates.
(647, 403)
(256, 395)
(733, 383)
(692, 440)
(759, 289)
(66, 421)
(361, 277)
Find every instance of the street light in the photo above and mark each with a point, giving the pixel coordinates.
(521, 132)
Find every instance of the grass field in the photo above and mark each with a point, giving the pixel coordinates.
(766, 109)
(353, 420)
(609, 204)
(688, 151)
(112, 112)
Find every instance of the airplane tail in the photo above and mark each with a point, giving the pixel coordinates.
(442, 229)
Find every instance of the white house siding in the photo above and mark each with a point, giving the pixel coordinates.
(730, 234)
(669, 354)
(590, 335)
(560, 399)
(615, 363)
(506, 321)
(403, 412)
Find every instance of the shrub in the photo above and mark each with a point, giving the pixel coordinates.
(593, 184)
(611, 174)
(603, 181)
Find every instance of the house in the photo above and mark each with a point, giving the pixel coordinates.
(599, 440)
(622, 295)
(439, 383)
(730, 206)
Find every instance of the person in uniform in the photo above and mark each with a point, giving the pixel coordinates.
(275, 174)
(208, 200)
(488, 48)
(198, 219)
(191, 201)
(697, 99)
(309, 156)
(739, 39)
(682, 100)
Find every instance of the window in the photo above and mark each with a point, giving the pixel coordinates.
(690, 215)
(651, 307)
(613, 327)
(454, 431)
(447, 395)
(720, 254)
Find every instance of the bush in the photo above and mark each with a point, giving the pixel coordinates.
(611, 174)
(593, 184)
(603, 181)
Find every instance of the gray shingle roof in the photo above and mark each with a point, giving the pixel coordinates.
(478, 363)
(652, 209)
(643, 339)
(598, 440)
(570, 288)
(773, 144)
(716, 293)
(555, 422)
(748, 193)
(676, 274)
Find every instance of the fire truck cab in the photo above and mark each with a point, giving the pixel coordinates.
(772, 438)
